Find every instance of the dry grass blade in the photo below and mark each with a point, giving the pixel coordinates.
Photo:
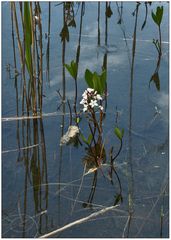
(18, 149)
(79, 221)
(5, 119)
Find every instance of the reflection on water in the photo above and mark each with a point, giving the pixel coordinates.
(98, 185)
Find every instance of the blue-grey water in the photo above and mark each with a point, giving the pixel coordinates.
(40, 184)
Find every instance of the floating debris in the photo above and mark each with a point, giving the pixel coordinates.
(70, 135)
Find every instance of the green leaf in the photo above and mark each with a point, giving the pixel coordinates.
(88, 78)
(96, 82)
(103, 80)
(69, 68)
(119, 133)
(27, 23)
(159, 14)
(78, 120)
(90, 137)
(157, 17)
(72, 69)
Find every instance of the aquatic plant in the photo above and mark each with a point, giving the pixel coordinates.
(90, 100)
(31, 54)
(95, 158)
(157, 18)
(96, 81)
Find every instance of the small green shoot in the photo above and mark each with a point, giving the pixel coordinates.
(119, 133)
(86, 141)
(72, 69)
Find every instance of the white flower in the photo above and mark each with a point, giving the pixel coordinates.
(93, 103)
(83, 101)
(90, 99)
(85, 94)
(98, 97)
(85, 108)
(90, 90)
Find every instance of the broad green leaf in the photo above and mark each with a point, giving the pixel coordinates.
(157, 17)
(89, 78)
(96, 82)
(154, 18)
(118, 133)
(159, 14)
(103, 80)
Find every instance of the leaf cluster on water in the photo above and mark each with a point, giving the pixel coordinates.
(96, 81)
(157, 17)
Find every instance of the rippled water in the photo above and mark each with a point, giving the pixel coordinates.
(41, 181)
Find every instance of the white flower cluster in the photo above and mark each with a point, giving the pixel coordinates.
(91, 99)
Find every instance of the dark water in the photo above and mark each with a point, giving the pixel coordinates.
(40, 183)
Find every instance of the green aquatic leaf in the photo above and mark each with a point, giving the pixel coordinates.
(72, 69)
(157, 17)
(69, 68)
(103, 80)
(119, 133)
(96, 81)
(88, 78)
(78, 120)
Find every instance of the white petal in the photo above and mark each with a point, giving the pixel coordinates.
(90, 90)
